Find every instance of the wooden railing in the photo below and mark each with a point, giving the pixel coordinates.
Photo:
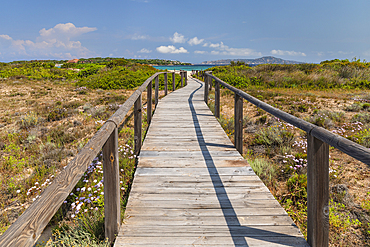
(318, 141)
(28, 227)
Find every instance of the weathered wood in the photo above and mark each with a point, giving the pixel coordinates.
(238, 121)
(210, 81)
(111, 187)
(29, 226)
(195, 178)
(317, 192)
(186, 77)
(173, 81)
(156, 95)
(149, 103)
(138, 125)
(165, 84)
(217, 99)
(182, 78)
(206, 89)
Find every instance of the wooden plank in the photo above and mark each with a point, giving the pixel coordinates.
(191, 183)
(234, 171)
(148, 211)
(111, 186)
(212, 241)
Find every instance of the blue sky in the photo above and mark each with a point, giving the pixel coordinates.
(189, 31)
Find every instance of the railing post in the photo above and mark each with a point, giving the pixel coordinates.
(156, 90)
(210, 81)
(186, 77)
(137, 125)
(182, 78)
(217, 99)
(238, 121)
(173, 81)
(205, 89)
(149, 97)
(111, 186)
(165, 84)
(317, 192)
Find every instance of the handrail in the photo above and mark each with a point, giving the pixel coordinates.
(318, 141)
(28, 227)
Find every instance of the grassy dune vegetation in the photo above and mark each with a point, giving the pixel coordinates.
(47, 114)
(333, 94)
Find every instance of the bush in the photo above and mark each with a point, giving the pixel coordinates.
(263, 168)
(274, 136)
(29, 120)
(57, 113)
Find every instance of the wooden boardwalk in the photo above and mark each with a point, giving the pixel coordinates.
(192, 188)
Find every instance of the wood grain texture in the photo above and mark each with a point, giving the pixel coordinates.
(138, 125)
(111, 186)
(217, 99)
(317, 192)
(149, 102)
(192, 187)
(156, 93)
(165, 84)
(173, 81)
(238, 122)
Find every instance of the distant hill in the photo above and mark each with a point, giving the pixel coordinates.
(262, 60)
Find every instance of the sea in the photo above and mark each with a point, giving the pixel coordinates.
(186, 67)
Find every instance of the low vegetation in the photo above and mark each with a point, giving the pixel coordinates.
(47, 114)
(334, 95)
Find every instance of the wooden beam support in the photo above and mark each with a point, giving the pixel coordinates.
(165, 84)
(317, 192)
(156, 96)
(137, 125)
(206, 89)
(111, 187)
(217, 99)
(149, 102)
(186, 77)
(238, 121)
(182, 78)
(173, 81)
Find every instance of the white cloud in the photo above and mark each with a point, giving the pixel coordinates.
(178, 38)
(144, 50)
(171, 49)
(222, 49)
(288, 53)
(52, 43)
(138, 37)
(200, 52)
(195, 41)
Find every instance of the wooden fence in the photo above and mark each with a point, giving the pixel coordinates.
(318, 141)
(28, 227)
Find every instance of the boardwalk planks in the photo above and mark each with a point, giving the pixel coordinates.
(193, 188)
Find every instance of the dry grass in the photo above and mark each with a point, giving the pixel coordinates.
(345, 170)
(43, 125)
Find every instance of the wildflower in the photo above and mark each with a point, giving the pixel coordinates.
(18, 191)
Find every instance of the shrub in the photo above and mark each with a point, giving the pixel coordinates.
(274, 136)
(324, 118)
(29, 120)
(297, 187)
(361, 117)
(355, 107)
(263, 168)
(57, 113)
